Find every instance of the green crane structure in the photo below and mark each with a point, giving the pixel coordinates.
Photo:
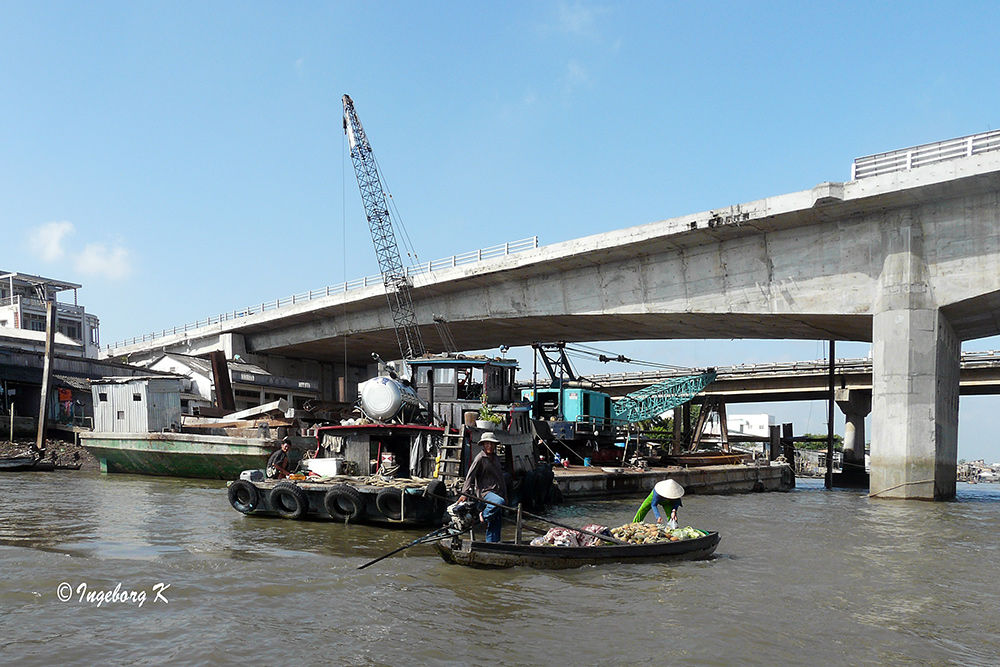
(658, 398)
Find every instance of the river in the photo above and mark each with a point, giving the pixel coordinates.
(807, 577)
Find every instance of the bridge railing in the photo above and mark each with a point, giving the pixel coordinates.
(970, 360)
(919, 156)
(419, 269)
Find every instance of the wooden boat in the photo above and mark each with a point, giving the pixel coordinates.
(18, 463)
(462, 551)
(701, 459)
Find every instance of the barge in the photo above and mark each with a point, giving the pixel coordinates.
(139, 429)
(403, 460)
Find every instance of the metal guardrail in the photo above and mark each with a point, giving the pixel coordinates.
(472, 257)
(990, 359)
(919, 156)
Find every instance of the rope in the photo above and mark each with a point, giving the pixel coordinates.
(891, 488)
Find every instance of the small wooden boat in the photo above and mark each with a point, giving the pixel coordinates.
(462, 551)
(18, 463)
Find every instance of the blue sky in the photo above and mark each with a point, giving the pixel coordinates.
(183, 159)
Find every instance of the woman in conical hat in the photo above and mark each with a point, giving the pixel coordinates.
(667, 493)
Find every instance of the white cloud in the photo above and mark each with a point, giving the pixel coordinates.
(46, 241)
(110, 260)
(576, 75)
(98, 259)
(578, 19)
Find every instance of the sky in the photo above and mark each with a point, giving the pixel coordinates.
(184, 159)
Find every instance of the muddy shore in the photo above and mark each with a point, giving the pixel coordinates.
(59, 451)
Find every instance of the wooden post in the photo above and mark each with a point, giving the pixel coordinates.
(50, 334)
(774, 445)
(517, 530)
(723, 425)
(788, 445)
(675, 448)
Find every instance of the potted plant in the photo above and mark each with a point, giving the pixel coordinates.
(488, 419)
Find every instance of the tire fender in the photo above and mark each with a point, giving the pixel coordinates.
(390, 503)
(244, 496)
(344, 503)
(288, 500)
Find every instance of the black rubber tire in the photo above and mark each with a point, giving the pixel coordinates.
(544, 479)
(344, 503)
(526, 491)
(389, 503)
(288, 500)
(433, 503)
(243, 496)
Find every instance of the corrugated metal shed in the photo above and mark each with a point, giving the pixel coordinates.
(136, 405)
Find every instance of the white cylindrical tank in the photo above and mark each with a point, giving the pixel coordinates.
(383, 398)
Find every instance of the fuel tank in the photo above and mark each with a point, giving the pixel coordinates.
(384, 398)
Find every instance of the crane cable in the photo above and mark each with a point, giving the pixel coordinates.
(585, 351)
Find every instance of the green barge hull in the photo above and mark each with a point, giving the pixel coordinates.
(178, 454)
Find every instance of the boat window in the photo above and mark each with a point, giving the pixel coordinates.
(444, 376)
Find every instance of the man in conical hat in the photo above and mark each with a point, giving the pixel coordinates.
(667, 493)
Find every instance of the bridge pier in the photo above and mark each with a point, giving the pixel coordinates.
(856, 404)
(916, 359)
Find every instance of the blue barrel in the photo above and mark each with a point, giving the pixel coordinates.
(586, 462)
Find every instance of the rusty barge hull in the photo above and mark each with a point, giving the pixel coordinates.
(588, 482)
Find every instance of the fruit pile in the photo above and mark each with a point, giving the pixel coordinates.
(650, 533)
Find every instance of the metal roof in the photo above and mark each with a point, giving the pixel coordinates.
(28, 279)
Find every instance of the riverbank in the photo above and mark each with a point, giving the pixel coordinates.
(61, 452)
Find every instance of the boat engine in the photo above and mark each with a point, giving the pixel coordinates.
(463, 516)
(384, 398)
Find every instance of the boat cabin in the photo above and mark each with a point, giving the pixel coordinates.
(455, 384)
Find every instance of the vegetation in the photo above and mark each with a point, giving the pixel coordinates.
(486, 413)
(819, 442)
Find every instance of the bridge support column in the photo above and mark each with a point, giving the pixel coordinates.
(916, 361)
(856, 404)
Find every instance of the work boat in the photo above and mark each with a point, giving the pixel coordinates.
(405, 458)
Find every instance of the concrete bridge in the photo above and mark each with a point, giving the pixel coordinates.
(906, 255)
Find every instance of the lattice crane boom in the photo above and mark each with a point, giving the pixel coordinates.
(397, 283)
(656, 399)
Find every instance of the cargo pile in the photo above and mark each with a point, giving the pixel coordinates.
(650, 533)
(562, 537)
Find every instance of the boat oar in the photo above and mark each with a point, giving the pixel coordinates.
(434, 536)
(606, 538)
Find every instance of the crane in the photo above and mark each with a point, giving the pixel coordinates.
(397, 283)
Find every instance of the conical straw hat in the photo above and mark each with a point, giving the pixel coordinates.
(668, 488)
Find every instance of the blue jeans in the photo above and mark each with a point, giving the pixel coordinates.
(493, 516)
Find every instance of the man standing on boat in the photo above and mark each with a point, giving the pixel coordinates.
(485, 479)
(279, 463)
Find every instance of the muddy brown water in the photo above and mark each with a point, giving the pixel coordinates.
(807, 577)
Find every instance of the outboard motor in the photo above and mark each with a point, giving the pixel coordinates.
(384, 399)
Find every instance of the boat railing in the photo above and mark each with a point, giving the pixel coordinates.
(472, 257)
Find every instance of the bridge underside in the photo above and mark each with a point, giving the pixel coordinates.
(490, 333)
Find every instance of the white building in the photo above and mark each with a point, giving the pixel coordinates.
(22, 316)
(252, 385)
(756, 425)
